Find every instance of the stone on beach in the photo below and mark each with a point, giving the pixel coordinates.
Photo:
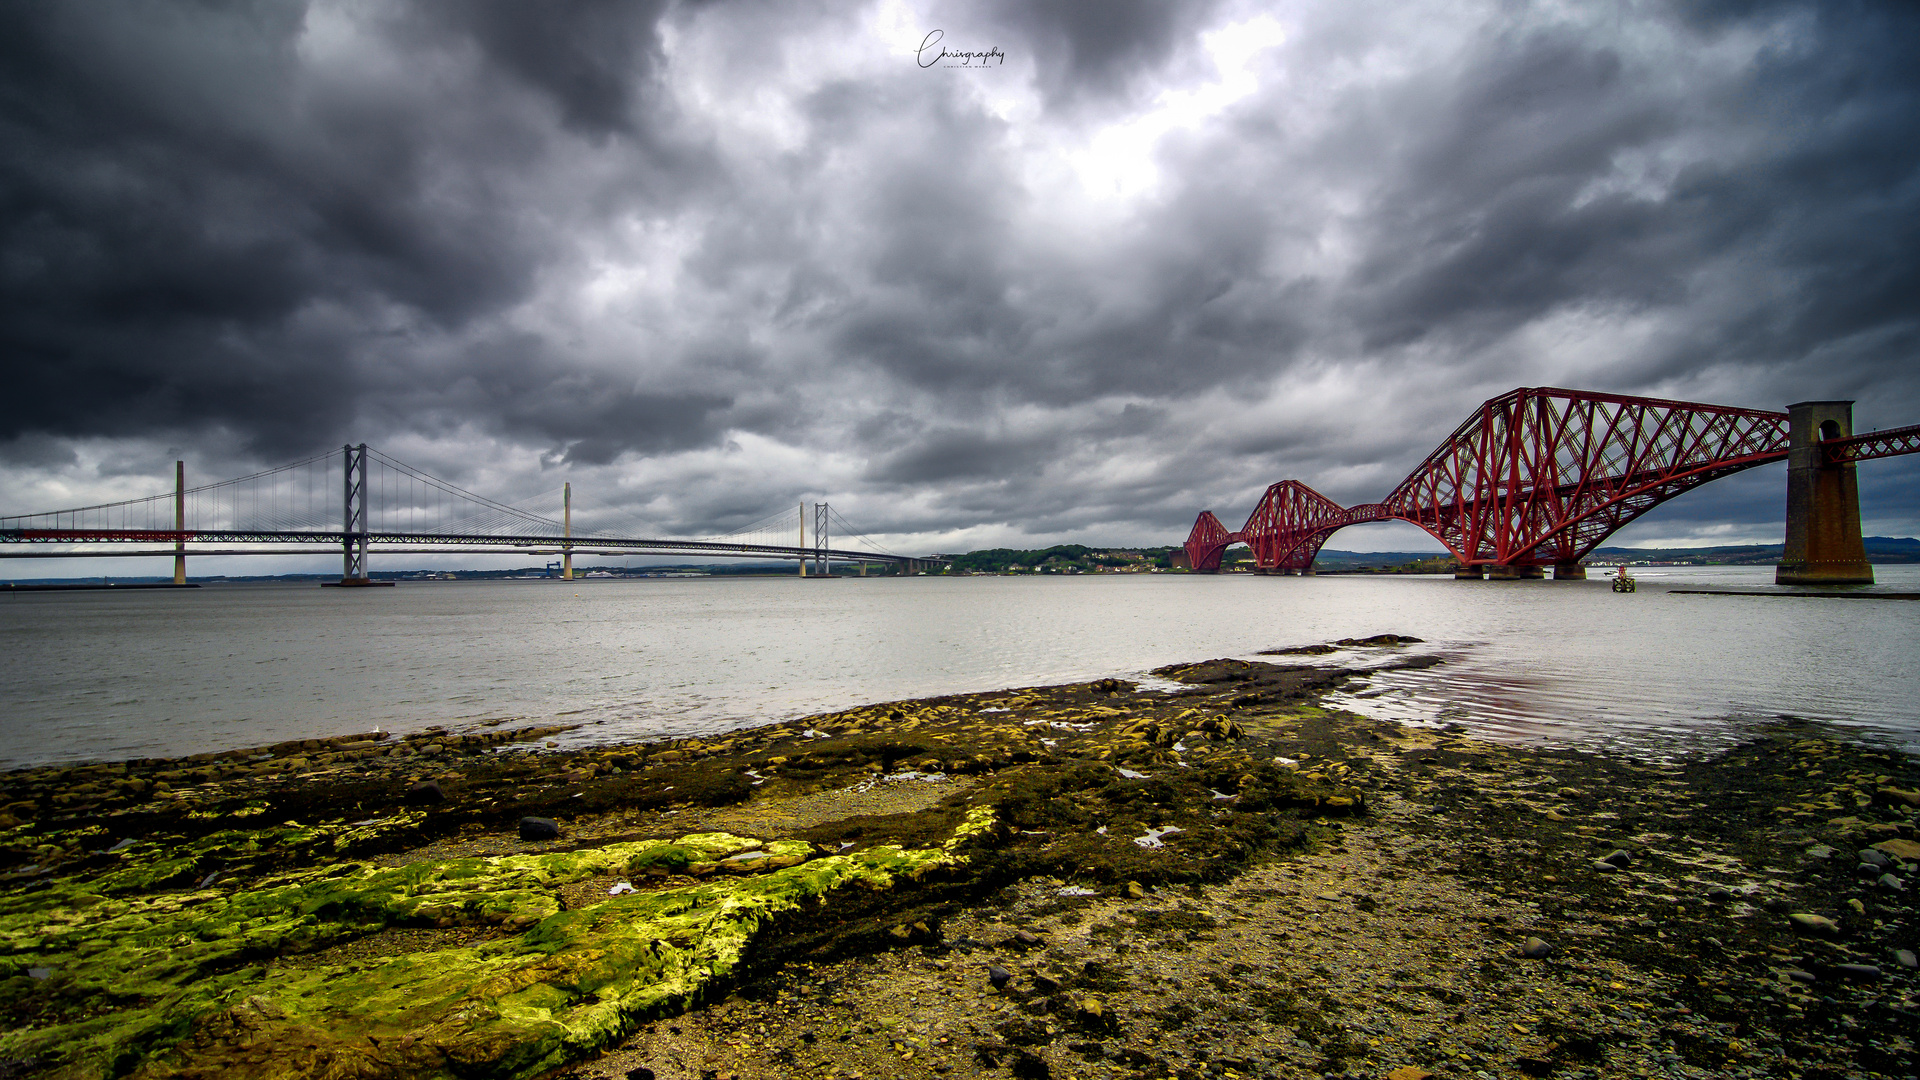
(539, 828)
(424, 793)
(1900, 849)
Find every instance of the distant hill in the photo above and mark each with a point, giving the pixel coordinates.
(1880, 549)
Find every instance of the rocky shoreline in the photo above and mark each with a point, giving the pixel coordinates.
(1223, 880)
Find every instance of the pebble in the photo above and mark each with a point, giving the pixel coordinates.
(1905, 958)
(1026, 938)
(1719, 896)
(1857, 971)
(1819, 851)
(1817, 923)
(1888, 881)
(426, 791)
(1535, 949)
(998, 976)
(1620, 857)
(539, 828)
(1900, 849)
(1876, 858)
(1027, 1065)
(1136, 891)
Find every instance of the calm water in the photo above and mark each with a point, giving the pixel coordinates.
(104, 675)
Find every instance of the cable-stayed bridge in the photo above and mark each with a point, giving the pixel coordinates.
(358, 500)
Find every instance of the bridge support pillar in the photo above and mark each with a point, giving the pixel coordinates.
(353, 538)
(1569, 571)
(1469, 573)
(1823, 545)
(1515, 572)
(180, 521)
(566, 558)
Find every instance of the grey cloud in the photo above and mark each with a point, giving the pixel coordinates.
(594, 58)
(604, 235)
(171, 219)
(1099, 48)
(38, 451)
(949, 454)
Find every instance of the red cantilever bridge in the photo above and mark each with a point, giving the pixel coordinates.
(1541, 476)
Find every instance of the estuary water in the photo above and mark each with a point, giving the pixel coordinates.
(93, 675)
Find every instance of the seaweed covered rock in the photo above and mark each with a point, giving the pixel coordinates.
(178, 919)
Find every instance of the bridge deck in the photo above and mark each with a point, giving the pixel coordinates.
(451, 542)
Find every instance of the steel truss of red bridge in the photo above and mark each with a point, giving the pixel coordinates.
(1541, 476)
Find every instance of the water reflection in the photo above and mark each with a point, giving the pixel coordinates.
(122, 675)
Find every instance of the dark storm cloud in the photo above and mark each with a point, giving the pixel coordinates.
(593, 57)
(1493, 222)
(955, 453)
(189, 215)
(1100, 49)
(725, 256)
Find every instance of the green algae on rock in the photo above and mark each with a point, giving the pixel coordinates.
(569, 983)
(154, 938)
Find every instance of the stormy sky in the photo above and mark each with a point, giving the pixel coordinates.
(1113, 263)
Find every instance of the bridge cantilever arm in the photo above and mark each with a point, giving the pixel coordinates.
(1874, 444)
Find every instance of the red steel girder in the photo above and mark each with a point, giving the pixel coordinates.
(1537, 475)
(1874, 444)
(1543, 475)
(1208, 541)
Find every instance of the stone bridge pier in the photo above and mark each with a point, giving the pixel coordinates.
(1824, 546)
